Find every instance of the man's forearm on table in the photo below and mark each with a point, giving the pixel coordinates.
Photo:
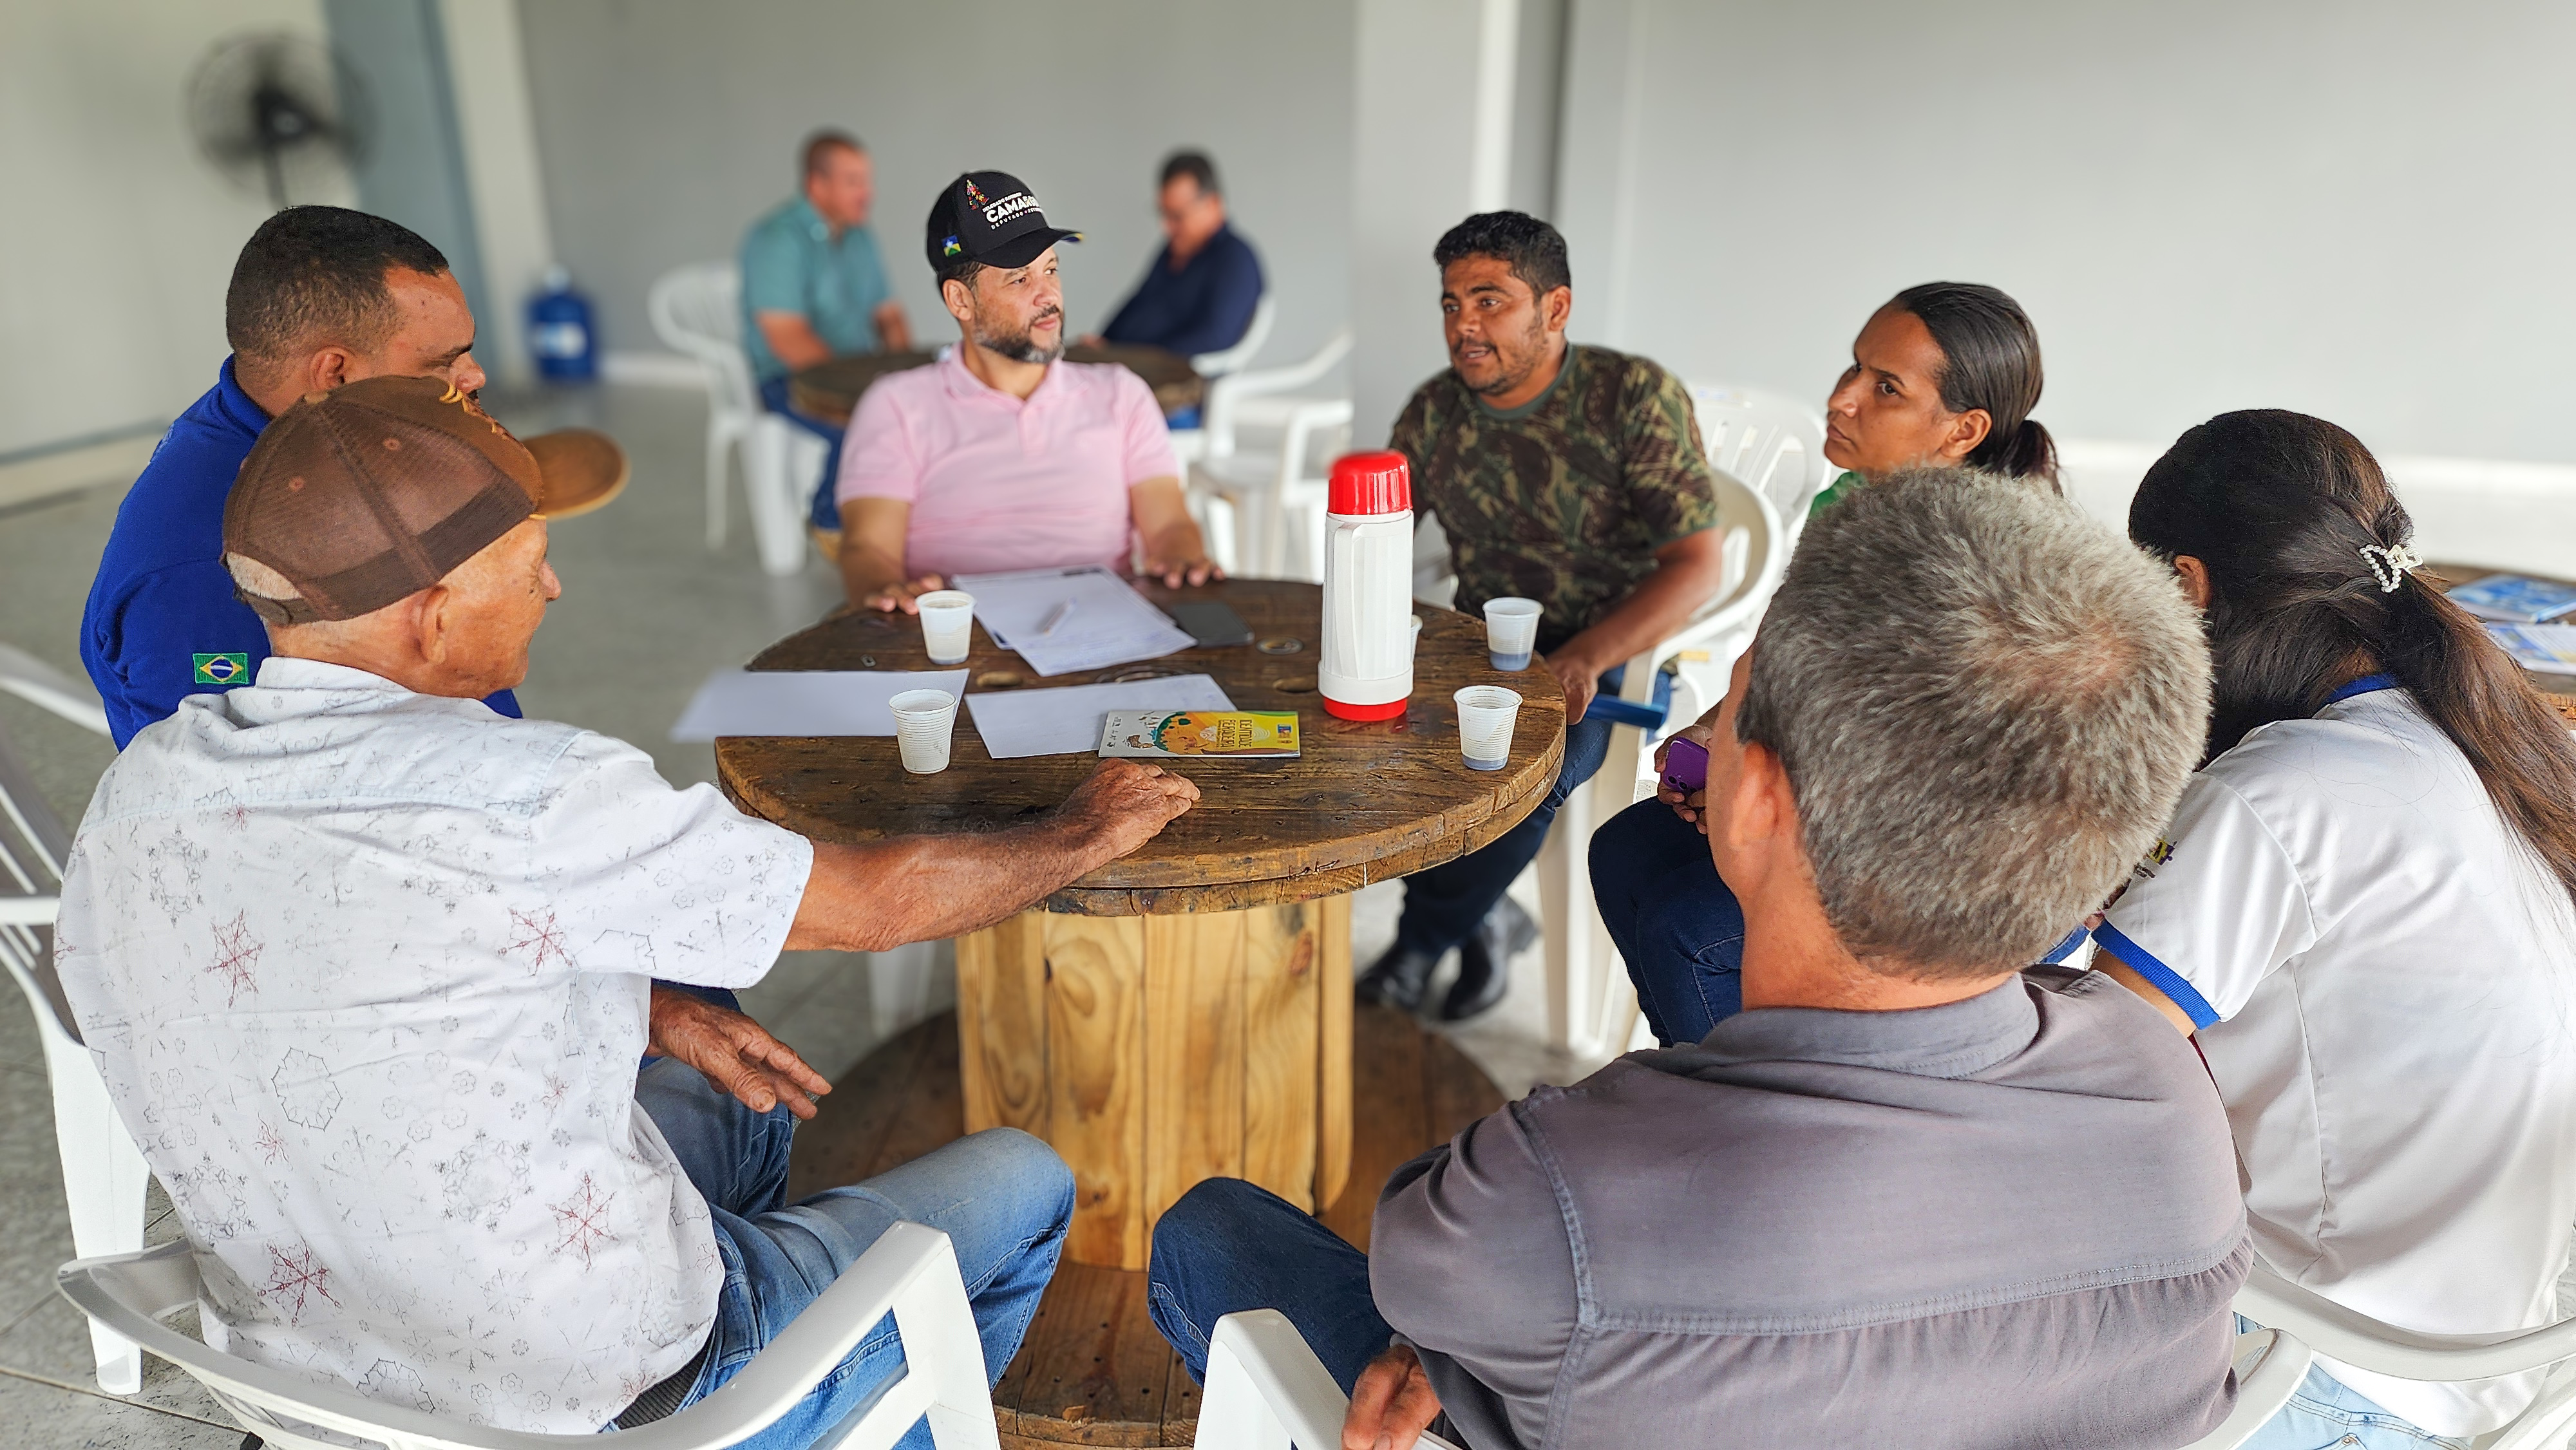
(792, 339)
(875, 897)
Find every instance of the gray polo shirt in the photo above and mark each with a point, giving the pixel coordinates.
(2009, 1221)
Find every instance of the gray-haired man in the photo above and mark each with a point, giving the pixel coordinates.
(1912, 1194)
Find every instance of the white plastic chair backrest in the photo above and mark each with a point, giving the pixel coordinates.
(1238, 357)
(697, 310)
(2305, 1323)
(1775, 444)
(1223, 393)
(2269, 1366)
(910, 1272)
(1266, 1390)
(47, 688)
(33, 848)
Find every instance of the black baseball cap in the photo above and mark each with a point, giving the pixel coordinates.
(990, 217)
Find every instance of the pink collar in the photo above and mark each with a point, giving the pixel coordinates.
(965, 386)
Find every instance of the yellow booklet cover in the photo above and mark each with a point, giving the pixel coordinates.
(1169, 734)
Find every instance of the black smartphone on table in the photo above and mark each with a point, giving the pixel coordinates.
(1211, 622)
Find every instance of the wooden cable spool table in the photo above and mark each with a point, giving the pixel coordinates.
(830, 391)
(1184, 1012)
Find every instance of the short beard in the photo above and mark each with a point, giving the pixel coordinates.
(1019, 346)
(1536, 337)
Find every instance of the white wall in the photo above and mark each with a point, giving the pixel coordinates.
(1432, 144)
(2360, 210)
(116, 240)
(488, 68)
(667, 126)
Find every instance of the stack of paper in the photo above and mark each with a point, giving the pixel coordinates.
(1016, 724)
(2549, 648)
(1064, 620)
(804, 702)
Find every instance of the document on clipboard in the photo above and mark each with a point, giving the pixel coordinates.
(1064, 620)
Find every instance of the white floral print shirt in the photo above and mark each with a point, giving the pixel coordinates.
(367, 973)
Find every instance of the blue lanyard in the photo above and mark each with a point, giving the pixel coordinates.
(2362, 686)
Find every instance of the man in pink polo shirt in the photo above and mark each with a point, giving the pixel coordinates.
(1001, 455)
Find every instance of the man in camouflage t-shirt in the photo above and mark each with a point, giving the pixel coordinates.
(1568, 475)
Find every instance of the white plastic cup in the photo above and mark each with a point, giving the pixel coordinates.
(1485, 716)
(924, 720)
(1511, 632)
(947, 624)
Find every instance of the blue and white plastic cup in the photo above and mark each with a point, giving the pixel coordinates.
(1511, 632)
(1485, 717)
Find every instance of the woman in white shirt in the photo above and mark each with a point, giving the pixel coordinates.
(2363, 909)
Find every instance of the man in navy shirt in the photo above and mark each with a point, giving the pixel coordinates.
(1199, 294)
(320, 296)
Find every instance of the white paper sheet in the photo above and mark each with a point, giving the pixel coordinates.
(1016, 724)
(804, 702)
(1111, 624)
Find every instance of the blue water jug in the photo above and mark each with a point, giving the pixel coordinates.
(559, 331)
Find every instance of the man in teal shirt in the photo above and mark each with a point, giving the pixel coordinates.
(814, 288)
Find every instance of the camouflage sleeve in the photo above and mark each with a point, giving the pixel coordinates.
(1670, 487)
(1411, 435)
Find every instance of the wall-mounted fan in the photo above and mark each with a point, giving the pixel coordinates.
(280, 112)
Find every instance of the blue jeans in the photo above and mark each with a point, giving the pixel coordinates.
(2325, 1412)
(1229, 1246)
(1003, 1198)
(826, 509)
(1675, 923)
(1444, 905)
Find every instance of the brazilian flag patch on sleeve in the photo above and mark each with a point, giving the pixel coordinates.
(222, 669)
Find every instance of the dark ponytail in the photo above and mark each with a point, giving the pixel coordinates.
(2279, 507)
(1990, 358)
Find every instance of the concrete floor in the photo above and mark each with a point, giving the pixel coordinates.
(647, 612)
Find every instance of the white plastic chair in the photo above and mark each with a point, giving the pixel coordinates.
(697, 310)
(1774, 443)
(1235, 359)
(1591, 1006)
(1257, 489)
(1265, 1390)
(1190, 444)
(103, 1172)
(2305, 1324)
(47, 688)
(910, 1273)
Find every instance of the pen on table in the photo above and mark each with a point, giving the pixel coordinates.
(1055, 616)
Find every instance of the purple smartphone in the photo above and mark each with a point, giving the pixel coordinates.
(1685, 765)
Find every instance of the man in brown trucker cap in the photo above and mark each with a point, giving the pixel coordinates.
(366, 967)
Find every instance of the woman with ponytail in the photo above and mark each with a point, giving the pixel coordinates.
(1943, 376)
(2365, 908)
(1946, 373)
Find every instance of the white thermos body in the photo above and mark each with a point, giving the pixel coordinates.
(1367, 669)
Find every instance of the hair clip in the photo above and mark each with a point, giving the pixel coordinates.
(2389, 566)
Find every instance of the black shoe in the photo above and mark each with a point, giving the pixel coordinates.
(1397, 979)
(1485, 961)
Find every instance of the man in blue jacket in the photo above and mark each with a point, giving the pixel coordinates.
(321, 296)
(1199, 294)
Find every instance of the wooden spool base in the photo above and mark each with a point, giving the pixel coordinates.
(1154, 1052)
(1093, 1370)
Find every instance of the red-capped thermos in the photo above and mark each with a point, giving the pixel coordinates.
(1367, 669)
